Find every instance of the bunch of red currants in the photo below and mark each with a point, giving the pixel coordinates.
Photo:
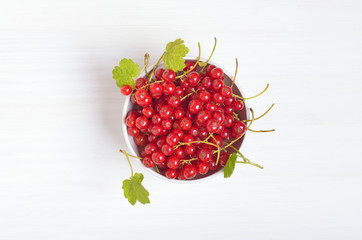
(183, 121)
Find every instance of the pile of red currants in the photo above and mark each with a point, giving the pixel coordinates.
(184, 121)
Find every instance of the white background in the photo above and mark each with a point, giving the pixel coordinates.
(60, 169)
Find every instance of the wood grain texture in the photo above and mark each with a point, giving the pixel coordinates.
(60, 169)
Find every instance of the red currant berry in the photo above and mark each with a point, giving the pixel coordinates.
(228, 109)
(171, 173)
(217, 140)
(145, 102)
(148, 112)
(169, 75)
(190, 171)
(150, 148)
(179, 91)
(238, 128)
(140, 139)
(174, 101)
(133, 131)
(193, 131)
(212, 164)
(229, 101)
(228, 120)
(210, 106)
(206, 82)
(126, 90)
(185, 123)
(172, 139)
(148, 162)
(190, 150)
(202, 117)
(218, 116)
(212, 125)
(165, 111)
(156, 130)
(204, 154)
(142, 122)
(189, 65)
(180, 174)
(203, 133)
(168, 88)
(238, 105)
(167, 149)
(217, 84)
(216, 73)
(158, 157)
(225, 134)
(179, 152)
(173, 162)
(208, 69)
(141, 94)
(156, 119)
(195, 106)
(156, 90)
(202, 168)
(166, 123)
(179, 112)
(140, 82)
(160, 141)
(204, 96)
(158, 73)
(224, 157)
(151, 138)
(225, 91)
(131, 119)
(193, 78)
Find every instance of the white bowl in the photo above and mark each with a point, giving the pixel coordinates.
(132, 147)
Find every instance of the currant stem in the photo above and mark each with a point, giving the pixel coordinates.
(236, 116)
(129, 162)
(236, 72)
(262, 114)
(154, 69)
(237, 96)
(213, 50)
(123, 151)
(193, 67)
(157, 169)
(146, 61)
(251, 163)
(188, 160)
(236, 150)
(186, 96)
(218, 150)
(271, 130)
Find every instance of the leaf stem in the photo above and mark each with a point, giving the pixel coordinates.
(237, 96)
(129, 162)
(123, 151)
(213, 50)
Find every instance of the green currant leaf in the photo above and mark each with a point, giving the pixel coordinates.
(125, 72)
(230, 165)
(174, 55)
(134, 191)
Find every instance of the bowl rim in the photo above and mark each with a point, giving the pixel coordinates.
(127, 138)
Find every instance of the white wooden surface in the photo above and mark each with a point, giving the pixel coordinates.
(60, 170)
